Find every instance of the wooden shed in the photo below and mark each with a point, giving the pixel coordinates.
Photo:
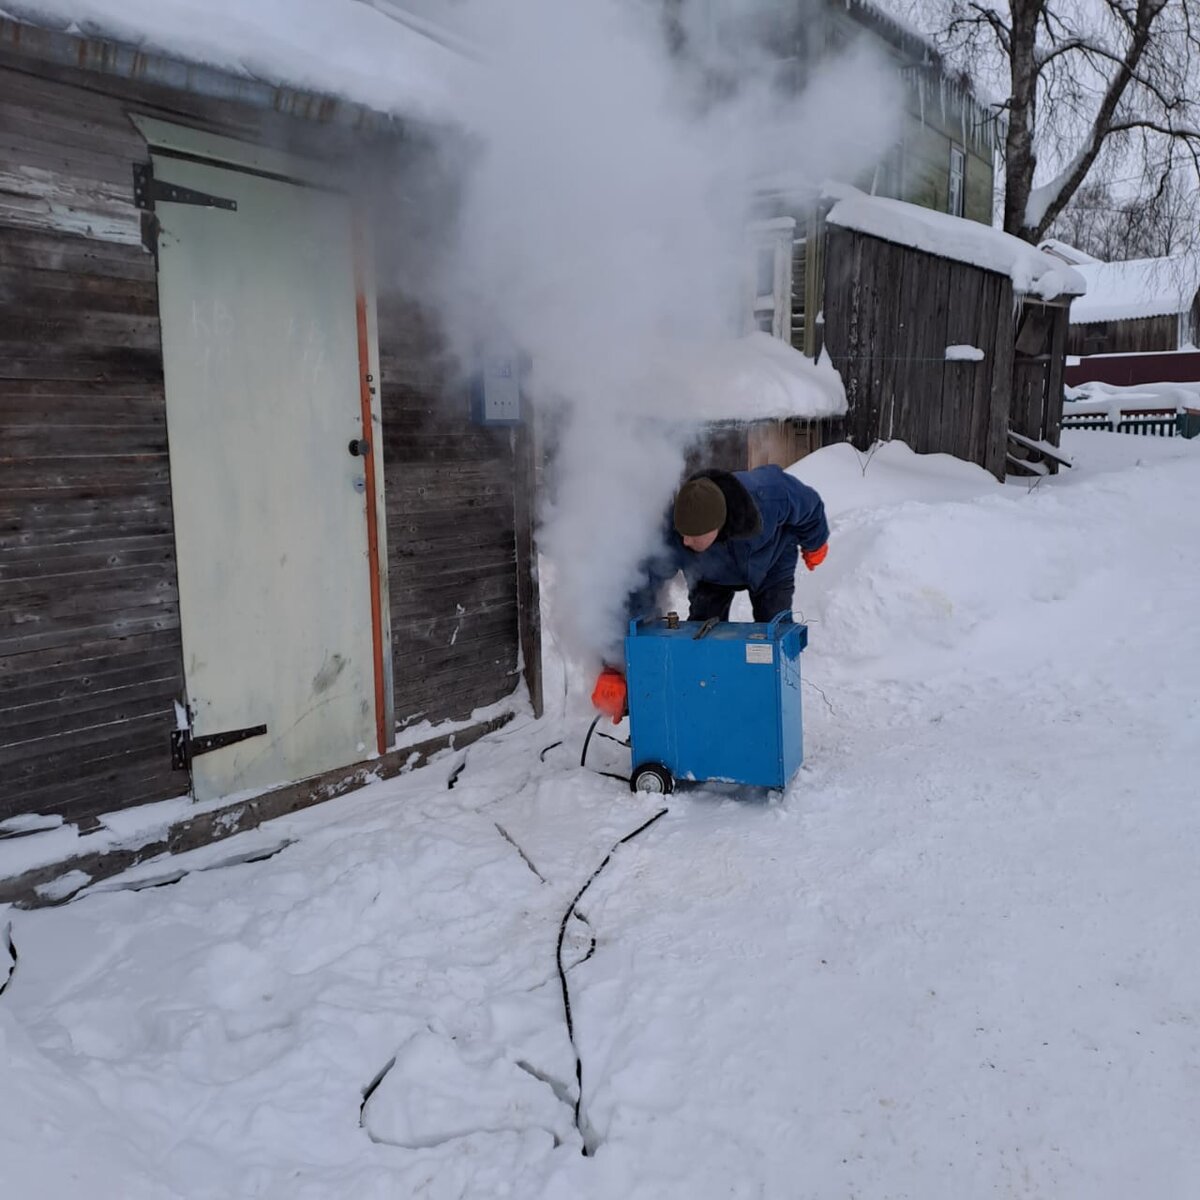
(1146, 305)
(950, 336)
(252, 533)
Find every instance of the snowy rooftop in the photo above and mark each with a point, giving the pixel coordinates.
(379, 56)
(1142, 287)
(954, 237)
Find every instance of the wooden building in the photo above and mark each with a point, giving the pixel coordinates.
(948, 335)
(810, 284)
(937, 343)
(1143, 306)
(251, 531)
(947, 137)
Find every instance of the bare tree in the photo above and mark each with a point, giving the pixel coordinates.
(1084, 79)
(1154, 222)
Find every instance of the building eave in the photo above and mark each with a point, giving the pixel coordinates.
(120, 60)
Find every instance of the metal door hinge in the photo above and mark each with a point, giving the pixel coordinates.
(147, 191)
(185, 745)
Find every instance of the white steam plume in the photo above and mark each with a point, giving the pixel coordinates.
(603, 220)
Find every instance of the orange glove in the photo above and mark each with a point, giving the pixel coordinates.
(814, 558)
(610, 695)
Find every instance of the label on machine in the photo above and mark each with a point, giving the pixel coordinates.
(760, 654)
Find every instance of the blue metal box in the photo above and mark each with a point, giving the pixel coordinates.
(718, 702)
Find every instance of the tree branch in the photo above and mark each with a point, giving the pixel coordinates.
(982, 16)
(1172, 131)
(1147, 13)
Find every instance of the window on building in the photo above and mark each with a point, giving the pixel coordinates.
(958, 170)
(888, 179)
(769, 282)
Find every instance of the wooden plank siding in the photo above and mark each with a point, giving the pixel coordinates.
(1140, 335)
(90, 657)
(890, 313)
(1038, 366)
(90, 648)
(452, 528)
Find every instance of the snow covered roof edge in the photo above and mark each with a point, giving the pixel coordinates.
(343, 50)
(1031, 271)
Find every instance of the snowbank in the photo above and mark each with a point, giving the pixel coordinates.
(334, 47)
(1143, 287)
(889, 474)
(965, 241)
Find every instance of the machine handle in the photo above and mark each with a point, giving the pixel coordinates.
(786, 615)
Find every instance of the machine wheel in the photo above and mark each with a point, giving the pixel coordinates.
(652, 778)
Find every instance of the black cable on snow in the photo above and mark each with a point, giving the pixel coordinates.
(562, 975)
(587, 741)
(11, 947)
(620, 741)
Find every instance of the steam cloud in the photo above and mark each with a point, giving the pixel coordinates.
(604, 221)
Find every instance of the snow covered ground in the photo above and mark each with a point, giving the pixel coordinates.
(956, 959)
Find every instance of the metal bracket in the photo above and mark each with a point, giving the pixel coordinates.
(185, 745)
(148, 191)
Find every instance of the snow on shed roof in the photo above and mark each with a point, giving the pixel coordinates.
(753, 378)
(344, 48)
(957, 238)
(1141, 287)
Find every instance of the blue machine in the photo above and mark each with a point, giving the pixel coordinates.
(714, 701)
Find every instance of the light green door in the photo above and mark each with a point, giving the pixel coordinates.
(261, 363)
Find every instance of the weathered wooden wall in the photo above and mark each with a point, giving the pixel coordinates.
(890, 312)
(723, 446)
(925, 170)
(781, 443)
(939, 113)
(451, 489)
(90, 651)
(743, 445)
(1142, 336)
(1040, 339)
(90, 659)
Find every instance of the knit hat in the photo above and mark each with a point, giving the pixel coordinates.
(699, 508)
